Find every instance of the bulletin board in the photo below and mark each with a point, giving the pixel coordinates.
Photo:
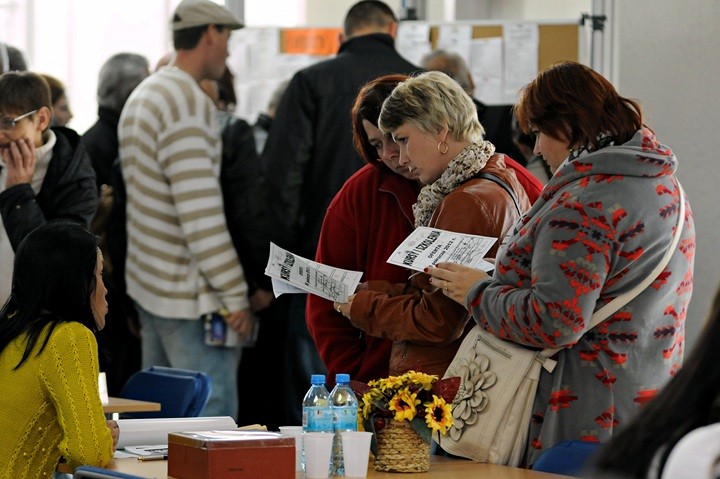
(263, 57)
(558, 42)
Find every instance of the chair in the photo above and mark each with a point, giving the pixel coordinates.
(181, 392)
(569, 458)
(90, 472)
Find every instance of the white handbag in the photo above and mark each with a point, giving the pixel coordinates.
(498, 382)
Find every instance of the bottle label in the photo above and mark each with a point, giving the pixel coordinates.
(317, 419)
(345, 418)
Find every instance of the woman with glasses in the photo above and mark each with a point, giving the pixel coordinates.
(45, 173)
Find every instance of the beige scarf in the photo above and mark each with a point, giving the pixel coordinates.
(467, 164)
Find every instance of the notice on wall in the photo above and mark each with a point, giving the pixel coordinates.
(413, 41)
(456, 39)
(486, 60)
(522, 43)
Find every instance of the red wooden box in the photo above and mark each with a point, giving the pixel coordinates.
(230, 455)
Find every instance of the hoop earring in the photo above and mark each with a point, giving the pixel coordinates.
(440, 145)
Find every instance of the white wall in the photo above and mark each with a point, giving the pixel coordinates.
(667, 57)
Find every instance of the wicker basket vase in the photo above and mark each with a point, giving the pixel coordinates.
(400, 449)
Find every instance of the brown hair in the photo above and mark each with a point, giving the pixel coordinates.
(367, 106)
(572, 100)
(57, 89)
(21, 92)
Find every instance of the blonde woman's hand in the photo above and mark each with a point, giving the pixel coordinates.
(455, 280)
(344, 308)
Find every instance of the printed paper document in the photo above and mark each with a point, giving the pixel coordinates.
(428, 246)
(286, 268)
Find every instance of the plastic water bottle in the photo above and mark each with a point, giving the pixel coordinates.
(317, 413)
(345, 407)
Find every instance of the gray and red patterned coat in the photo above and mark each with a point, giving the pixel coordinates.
(601, 225)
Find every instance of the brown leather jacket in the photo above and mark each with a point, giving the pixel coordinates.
(426, 326)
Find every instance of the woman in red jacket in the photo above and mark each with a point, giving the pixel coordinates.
(366, 220)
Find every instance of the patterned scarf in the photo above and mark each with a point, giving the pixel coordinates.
(467, 164)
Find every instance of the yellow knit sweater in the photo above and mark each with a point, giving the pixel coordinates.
(50, 406)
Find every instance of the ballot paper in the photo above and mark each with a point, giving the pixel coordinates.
(428, 246)
(302, 274)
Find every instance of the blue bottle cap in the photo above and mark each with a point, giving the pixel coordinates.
(317, 379)
(342, 378)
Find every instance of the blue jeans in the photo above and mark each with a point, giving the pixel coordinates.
(180, 343)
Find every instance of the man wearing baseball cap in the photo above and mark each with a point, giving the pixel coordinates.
(181, 264)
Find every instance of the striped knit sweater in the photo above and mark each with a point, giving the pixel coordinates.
(180, 259)
(50, 406)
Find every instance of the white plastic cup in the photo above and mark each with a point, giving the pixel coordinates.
(318, 450)
(297, 433)
(356, 451)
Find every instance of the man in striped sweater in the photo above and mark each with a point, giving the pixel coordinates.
(181, 263)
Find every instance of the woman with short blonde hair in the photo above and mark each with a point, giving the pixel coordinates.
(435, 125)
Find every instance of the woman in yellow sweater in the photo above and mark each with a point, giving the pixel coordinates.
(49, 402)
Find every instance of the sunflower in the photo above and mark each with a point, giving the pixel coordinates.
(438, 415)
(391, 383)
(423, 380)
(403, 403)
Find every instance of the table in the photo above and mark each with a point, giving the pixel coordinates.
(440, 468)
(118, 405)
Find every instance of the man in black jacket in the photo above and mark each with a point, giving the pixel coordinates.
(309, 154)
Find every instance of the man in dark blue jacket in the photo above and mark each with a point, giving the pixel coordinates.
(309, 154)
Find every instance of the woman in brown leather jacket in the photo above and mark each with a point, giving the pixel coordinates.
(435, 124)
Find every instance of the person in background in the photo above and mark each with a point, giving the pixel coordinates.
(46, 174)
(604, 222)
(11, 59)
(308, 156)
(181, 264)
(118, 77)
(62, 114)
(495, 119)
(434, 122)
(676, 435)
(261, 128)
(49, 403)
(120, 341)
(526, 144)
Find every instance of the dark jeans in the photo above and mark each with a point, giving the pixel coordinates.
(302, 359)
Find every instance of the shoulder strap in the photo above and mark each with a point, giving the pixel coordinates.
(489, 176)
(603, 313)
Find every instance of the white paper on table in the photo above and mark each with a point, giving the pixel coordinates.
(138, 432)
(428, 246)
(333, 284)
(152, 450)
(102, 389)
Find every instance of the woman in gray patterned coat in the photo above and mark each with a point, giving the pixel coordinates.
(601, 225)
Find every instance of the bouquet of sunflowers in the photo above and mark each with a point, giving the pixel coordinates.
(419, 398)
